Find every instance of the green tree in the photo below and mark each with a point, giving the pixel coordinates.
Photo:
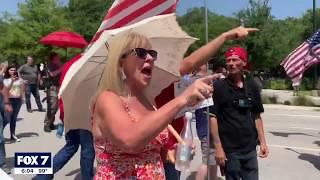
(258, 15)
(86, 16)
(193, 23)
(35, 19)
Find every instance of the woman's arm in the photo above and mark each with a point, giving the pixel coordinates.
(23, 89)
(117, 125)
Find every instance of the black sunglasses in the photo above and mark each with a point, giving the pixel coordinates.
(142, 53)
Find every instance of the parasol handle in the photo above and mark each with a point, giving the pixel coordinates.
(175, 134)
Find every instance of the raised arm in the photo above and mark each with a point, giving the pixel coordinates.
(202, 55)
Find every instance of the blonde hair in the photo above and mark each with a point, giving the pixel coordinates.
(112, 76)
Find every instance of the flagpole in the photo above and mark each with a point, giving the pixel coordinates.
(314, 30)
(208, 120)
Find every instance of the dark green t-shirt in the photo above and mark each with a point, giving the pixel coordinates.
(29, 73)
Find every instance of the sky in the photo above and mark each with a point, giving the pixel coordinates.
(280, 8)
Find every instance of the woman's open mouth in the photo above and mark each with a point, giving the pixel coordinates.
(147, 71)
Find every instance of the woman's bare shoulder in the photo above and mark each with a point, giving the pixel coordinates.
(109, 100)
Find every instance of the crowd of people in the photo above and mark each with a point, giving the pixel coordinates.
(129, 137)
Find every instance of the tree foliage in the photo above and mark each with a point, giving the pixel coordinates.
(86, 16)
(20, 33)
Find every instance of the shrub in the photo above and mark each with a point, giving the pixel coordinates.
(265, 99)
(273, 99)
(269, 100)
(287, 103)
(279, 84)
(302, 101)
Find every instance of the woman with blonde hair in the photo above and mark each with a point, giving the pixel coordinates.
(128, 131)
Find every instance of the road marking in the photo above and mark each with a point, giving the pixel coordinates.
(293, 115)
(293, 147)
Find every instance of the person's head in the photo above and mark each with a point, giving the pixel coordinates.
(11, 71)
(29, 60)
(54, 58)
(129, 64)
(202, 70)
(222, 69)
(236, 60)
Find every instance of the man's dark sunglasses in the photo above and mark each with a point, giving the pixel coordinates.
(142, 53)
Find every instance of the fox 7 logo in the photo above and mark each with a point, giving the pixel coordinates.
(32, 159)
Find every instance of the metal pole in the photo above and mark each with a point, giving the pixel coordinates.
(206, 20)
(208, 117)
(314, 30)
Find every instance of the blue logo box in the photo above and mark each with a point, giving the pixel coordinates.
(32, 160)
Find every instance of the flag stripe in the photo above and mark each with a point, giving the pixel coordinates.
(302, 58)
(161, 9)
(119, 7)
(300, 66)
(126, 12)
(293, 52)
(137, 13)
(294, 55)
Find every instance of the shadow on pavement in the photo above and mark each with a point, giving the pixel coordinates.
(10, 162)
(313, 159)
(192, 175)
(27, 134)
(19, 119)
(284, 134)
(73, 172)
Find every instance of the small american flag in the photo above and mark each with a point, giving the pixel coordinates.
(126, 12)
(303, 57)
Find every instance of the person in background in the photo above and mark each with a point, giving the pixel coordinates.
(202, 132)
(5, 107)
(54, 71)
(236, 123)
(16, 96)
(30, 74)
(74, 138)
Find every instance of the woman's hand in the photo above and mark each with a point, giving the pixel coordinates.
(14, 78)
(199, 90)
(171, 154)
(239, 33)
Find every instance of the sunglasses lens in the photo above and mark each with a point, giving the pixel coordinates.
(153, 53)
(141, 53)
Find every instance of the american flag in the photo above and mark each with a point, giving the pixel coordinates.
(126, 12)
(303, 57)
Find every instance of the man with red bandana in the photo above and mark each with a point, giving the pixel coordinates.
(236, 124)
(190, 64)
